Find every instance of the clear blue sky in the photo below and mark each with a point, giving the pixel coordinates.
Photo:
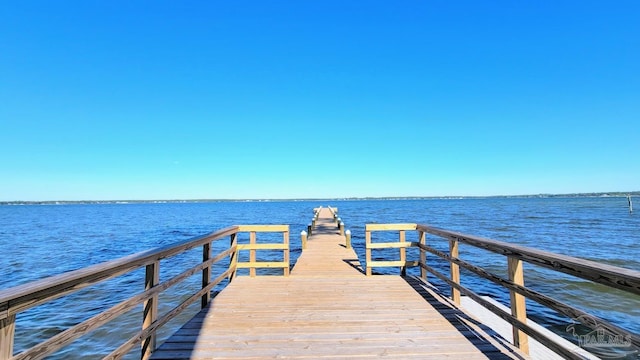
(290, 99)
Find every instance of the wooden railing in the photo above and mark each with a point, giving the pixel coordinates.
(611, 276)
(401, 245)
(252, 247)
(15, 300)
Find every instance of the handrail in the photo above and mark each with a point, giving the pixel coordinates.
(612, 276)
(22, 297)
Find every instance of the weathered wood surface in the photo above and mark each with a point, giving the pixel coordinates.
(327, 308)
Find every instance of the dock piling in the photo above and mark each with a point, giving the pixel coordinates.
(348, 239)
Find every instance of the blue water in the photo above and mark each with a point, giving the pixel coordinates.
(42, 240)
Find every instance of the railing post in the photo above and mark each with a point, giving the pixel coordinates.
(285, 236)
(403, 254)
(303, 237)
(423, 255)
(7, 333)
(455, 270)
(252, 254)
(518, 304)
(348, 239)
(367, 240)
(150, 309)
(341, 227)
(206, 275)
(233, 258)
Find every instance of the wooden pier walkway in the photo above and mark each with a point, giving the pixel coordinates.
(328, 308)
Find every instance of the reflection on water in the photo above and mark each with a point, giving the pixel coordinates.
(44, 240)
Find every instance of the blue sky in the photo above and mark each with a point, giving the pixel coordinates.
(113, 100)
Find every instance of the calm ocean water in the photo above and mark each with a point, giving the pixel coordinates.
(42, 240)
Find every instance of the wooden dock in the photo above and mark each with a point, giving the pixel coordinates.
(328, 308)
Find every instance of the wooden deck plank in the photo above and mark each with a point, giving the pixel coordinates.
(328, 309)
(275, 354)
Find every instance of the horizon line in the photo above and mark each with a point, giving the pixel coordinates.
(581, 194)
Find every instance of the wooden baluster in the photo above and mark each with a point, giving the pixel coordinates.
(423, 255)
(455, 270)
(367, 239)
(252, 254)
(206, 274)
(518, 304)
(150, 309)
(286, 252)
(7, 333)
(233, 258)
(403, 254)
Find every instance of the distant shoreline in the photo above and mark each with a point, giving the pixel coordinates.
(573, 195)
